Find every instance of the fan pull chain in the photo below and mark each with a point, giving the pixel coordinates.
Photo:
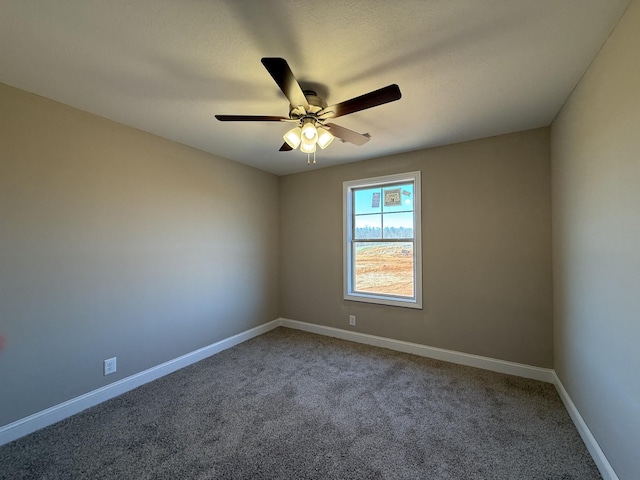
(309, 158)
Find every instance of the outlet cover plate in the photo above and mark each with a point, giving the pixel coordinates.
(110, 366)
(352, 319)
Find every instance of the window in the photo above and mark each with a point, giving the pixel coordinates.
(382, 250)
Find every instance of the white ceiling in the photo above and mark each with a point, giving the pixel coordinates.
(466, 68)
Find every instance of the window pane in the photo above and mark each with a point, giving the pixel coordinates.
(398, 225)
(368, 226)
(367, 200)
(384, 268)
(398, 198)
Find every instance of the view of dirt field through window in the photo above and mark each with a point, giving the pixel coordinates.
(384, 268)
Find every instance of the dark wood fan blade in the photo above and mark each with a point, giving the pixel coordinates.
(346, 134)
(387, 94)
(250, 118)
(285, 147)
(283, 76)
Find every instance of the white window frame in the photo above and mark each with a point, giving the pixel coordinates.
(347, 245)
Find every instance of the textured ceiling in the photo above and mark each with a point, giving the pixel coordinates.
(467, 69)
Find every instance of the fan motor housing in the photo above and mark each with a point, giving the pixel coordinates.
(317, 103)
(314, 99)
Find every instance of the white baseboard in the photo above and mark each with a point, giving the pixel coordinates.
(24, 426)
(606, 470)
(44, 418)
(486, 363)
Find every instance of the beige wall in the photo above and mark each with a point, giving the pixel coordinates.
(596, 246)
(114, 242)
(486, 249)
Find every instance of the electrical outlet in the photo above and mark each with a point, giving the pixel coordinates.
(352, 319)
(110, 366)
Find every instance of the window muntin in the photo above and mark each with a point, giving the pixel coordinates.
(382, 240)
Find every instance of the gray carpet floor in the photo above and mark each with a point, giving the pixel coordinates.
(292, 405)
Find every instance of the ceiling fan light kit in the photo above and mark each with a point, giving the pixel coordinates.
(293, 137)
(308, 135)
(308, 148)
(324, 138)
(309, 132)
(310, 112)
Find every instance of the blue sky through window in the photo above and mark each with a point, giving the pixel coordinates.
(370, 209)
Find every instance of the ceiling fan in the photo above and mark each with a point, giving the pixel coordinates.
(310, 112)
